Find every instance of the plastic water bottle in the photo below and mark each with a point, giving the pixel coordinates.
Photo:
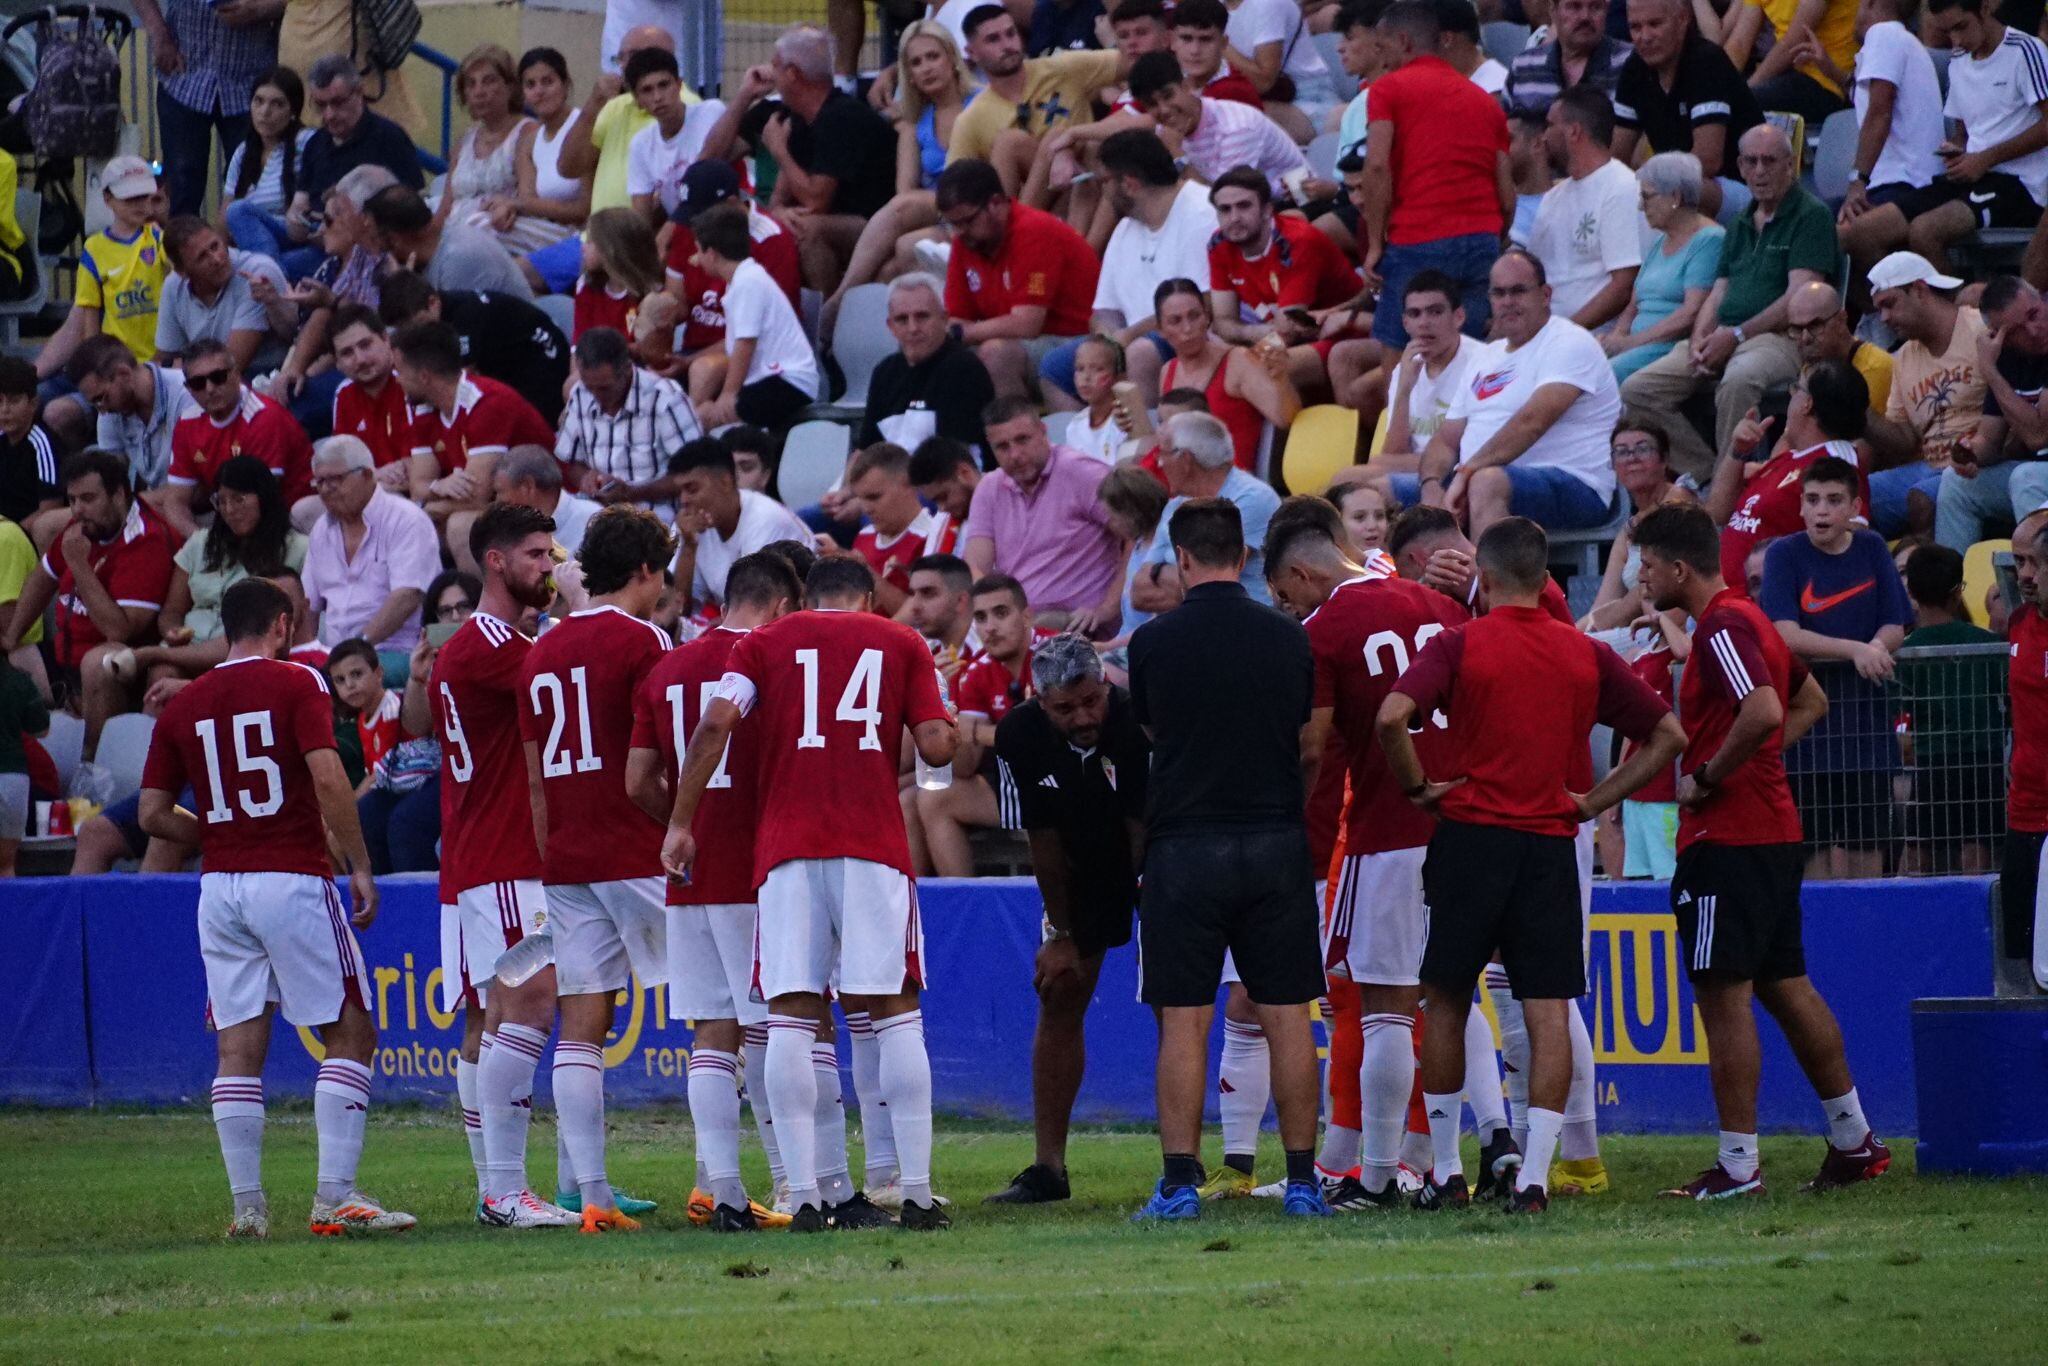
(524, 960)
(934, 777)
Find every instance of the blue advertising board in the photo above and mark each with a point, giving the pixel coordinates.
(102, 1000)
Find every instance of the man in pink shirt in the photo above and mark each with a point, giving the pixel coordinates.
(1037, 520)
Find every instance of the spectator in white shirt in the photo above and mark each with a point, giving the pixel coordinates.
(532, 477)
(621, 424)
(1527, 437)
(1899, 129)
(1433, 369)
(1270, 46)
(717, 521)
(662, 151)
(768, 373)
(1587, 231)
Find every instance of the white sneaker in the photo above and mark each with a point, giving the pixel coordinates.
(527, 1210)
(1272, 1190)
(934, 255)
(1408, 1179)
(890, 1197)
(357, 1213)
(250, 1223)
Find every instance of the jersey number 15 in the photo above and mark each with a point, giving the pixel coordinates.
(246, 726)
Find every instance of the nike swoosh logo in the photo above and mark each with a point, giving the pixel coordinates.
(1814, 606)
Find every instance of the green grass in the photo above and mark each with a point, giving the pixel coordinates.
(110, 1252)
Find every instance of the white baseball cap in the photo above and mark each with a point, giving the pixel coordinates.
(128, 178)
(1903, 268)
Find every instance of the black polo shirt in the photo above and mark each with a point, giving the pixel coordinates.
(854, 145)
(1086, 797)
(28, 474)
(2027, 374)
(377, 142)
(950, 384)
(1706, 91)
(1224, 685)
(513, 342)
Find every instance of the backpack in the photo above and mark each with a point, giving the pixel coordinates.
(75, 108)
(389, 28)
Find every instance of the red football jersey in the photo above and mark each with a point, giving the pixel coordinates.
(2027, 795)
(704, 293)
(489, 418)
(1043, 263)
(829, 695)
(1300, 268)
(261, 427)
(597, 306)
(382, 421)
(577, 706)
(1363, 639)
(930, 533)
(983, 685)
(1736, 650)
(1769, 506)
(380, 732)
(486, 817)
(666, 710)
(239, 737)
(134, 566)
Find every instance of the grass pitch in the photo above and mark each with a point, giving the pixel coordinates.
(110, 1251)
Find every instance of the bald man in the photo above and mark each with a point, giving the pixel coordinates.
(1819, 327)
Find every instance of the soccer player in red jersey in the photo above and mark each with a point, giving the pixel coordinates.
(371, 405)
(601, 852)
(2025, 913)
(900, 528)
(1501, 874)
(254, 740)
(711, 917)
(224, 419)
(1735, 892)
(467, 694)
(829, 692)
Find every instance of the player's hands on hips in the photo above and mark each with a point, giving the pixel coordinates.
(1057, 959)
(1433, 793)
(1691, 796)
(678, 852)
(362, 891)
(1587, 811)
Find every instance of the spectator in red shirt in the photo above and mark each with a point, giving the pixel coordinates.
(900, 529)
(222, 419)
(108, 573)
(1438, 187)
(1273, 275)
(370, 405)
(461, 421)
(946, 475)
(1019, 281)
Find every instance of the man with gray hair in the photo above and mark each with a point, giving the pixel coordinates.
(1072, 763)
(369, 558)
(621, 425)
(933, 385)
(350, 135)
(532, 477)
(1199, 461)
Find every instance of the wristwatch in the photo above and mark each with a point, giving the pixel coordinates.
(1859, 177)
(1740, 337)
(1411, 793)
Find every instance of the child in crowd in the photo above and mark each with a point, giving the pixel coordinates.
(357, 678)
(1365, 512)
(621, 267)
(1101, 427)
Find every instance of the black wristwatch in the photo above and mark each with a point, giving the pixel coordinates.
(1700, 779)
(1411, 793)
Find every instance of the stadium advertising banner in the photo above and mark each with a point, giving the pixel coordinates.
(102, 999)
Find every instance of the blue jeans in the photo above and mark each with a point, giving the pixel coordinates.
(559, 264)
(1465, 259)
(314, 407)
(1889, 490)
(1546, 495)
(402, 828)
(187, 135)
(2005, 492)
(256, 230)
(1058, 366)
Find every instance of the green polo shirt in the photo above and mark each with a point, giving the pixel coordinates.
(1756, 265)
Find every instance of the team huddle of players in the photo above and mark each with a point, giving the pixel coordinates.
(711, 818)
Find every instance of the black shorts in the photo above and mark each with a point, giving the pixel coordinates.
(1996, 200)
(1851, 810)
(1250, 893)
(1492, 890)
(1737, 907)
(2019, 882)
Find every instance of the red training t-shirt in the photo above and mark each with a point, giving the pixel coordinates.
(260, 426)
(1300, 268)
(1043, 263)
(1448, 138)
(1735, 651)
(489, 418)
(929, 533)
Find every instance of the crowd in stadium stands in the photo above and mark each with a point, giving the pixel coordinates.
(1621, 267)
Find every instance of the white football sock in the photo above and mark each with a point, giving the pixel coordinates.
(1386, 1075)
(1340, 1150)
(472, 1120)
(906, 1079)
(1514, 1051)
(1846, 1124)
(877, 1134)
(238, 1119)
(793, 1096)
(754, 1053)
(1543, 1130)
(1244, 1083)
(579, 1109)
(1415, 1151)
(715, 1114)
(835, 1185)
(1482, 1077)
(504, 1094)
(1581, 1138)
(565, 1165)
(1444, 1113)
(1739, 1156)
(341, 1105)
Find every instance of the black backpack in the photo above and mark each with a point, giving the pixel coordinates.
(75, 108)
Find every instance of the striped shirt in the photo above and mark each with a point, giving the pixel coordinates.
(634, 444)
(267, 193)
(1537, 77)
(1232, 135)
(221, 63)
(28, 474)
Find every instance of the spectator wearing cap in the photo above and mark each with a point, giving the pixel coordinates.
(1819, 327)
(1592, 270)
(1019, 281)
(1036, 519)
(1738, 346)
(1679, 92)
(933, 385)
(120, 272)
(502, 338)
(138, 402)
(369, 557)
(1937, 396)
(449, 255)
(768, 373)
(1197, 457)
(1437, 185)
(673, 140)
(531, 476)
(1216, 135)
(208, 58)
(2002, 469)
(621, 424)
(1580, 52)
(699, 293)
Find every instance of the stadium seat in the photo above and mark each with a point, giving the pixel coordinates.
(66, 746)
(1793, 126)
(1322, 156)
(28, 212)
(1504, 41)
(561, 311)
(1581, 549)
(1056, 425)
(1979, 573)
(861, 340)
(1322, 441)
(124, 744)
(1379, 436)
(1835, 157)
(813, 459)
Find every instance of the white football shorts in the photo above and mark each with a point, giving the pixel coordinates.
(485, 920)
(1380, 922)
(711, 964)
(608, 933)
(845, 914)
(279, 937)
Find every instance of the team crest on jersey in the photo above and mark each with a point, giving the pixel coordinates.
(1486, 386)
(1109, 773)
(147, 256)
(973, 280)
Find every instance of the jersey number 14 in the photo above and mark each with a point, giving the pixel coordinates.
(860, 704)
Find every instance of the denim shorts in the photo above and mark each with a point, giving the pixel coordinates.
(1889, 490)
(1546, 495)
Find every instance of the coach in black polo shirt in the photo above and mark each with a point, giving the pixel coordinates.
(1072, 765)
(1223, 685)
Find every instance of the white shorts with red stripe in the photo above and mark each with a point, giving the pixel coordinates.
(279, 937)
(711, 964)
(1380, 922)
(608, 933)
(846, 923)
(485, 920)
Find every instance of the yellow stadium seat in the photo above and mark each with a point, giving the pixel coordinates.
(1978, 576)
(1322, 441)
(1379, 435)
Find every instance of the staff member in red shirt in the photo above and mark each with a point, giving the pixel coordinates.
(2027, 796)
(1019, 281)
(1501, 873)
(1438, 190)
